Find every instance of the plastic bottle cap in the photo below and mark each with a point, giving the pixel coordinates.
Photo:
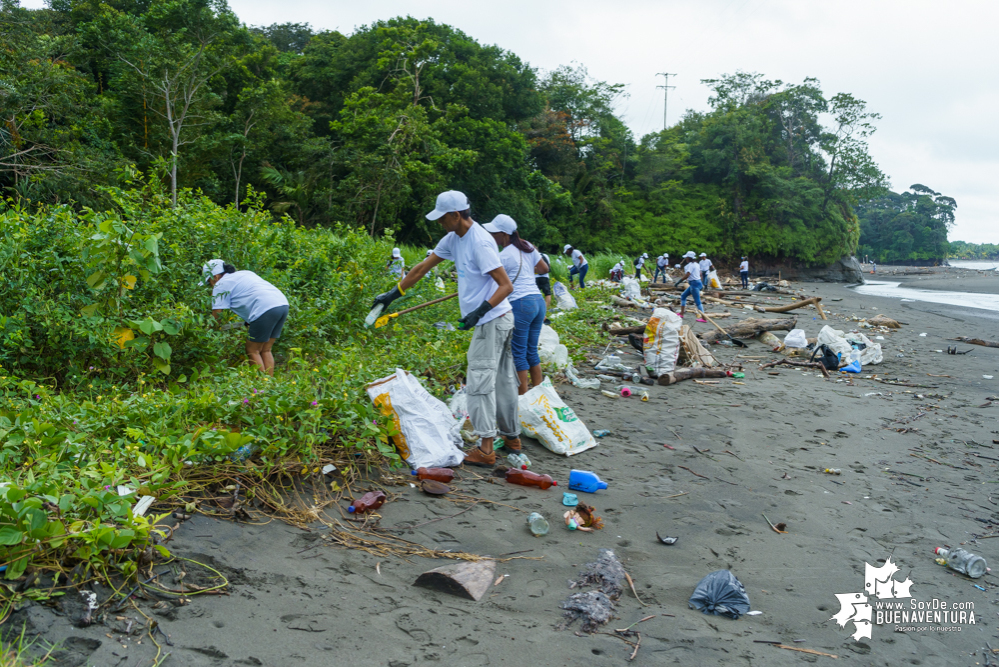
(351, 509)
(523, 467)
(554, 483)
(412, 472)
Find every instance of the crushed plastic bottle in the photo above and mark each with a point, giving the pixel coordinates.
(611, 362)
(601, 433)
(582, 383)
(518, 461)
(369, 321)
(371, 500)
(962, 561)
(243, 453)
(537, 524)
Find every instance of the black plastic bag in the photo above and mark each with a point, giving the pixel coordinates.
(720, 593)
(828, 358)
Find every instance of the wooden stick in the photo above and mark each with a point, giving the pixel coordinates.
(632, 584)
(822, 313)
(693, 473)
(790, 306)
(788, 362)
(804, 650)
(635, 652)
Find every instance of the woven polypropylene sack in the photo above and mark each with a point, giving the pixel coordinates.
(545, 417)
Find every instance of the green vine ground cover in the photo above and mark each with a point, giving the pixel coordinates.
(113, 373)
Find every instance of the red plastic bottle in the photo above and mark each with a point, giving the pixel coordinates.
(371, 500)
(444, 475)
(528, 478)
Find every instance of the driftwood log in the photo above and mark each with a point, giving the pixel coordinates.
(751, 328)
(805, 364)
(977, 341)
(793, 306)
(681, 374)
(467, 579)
(623, 331)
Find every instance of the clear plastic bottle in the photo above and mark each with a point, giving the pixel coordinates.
(243, 453)
(373, 315)
(963, 561)
(537, 524)
(518, 461)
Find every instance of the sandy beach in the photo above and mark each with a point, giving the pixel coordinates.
(915, 446)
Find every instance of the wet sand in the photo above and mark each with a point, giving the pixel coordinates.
(297, 601)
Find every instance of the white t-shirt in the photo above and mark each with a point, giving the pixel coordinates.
(640, 262)
(548, 261)
(744, 266)
(246, 294)
(474, 256)
(521, 272)
(694, 270)
(705, 264)
(662, 262)
(578, 259)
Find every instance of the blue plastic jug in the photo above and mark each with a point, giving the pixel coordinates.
(583, 480)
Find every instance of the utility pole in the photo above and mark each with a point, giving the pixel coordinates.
(666, 87)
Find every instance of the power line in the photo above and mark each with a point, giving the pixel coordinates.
(666, 87)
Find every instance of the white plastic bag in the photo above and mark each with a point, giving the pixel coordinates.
(550, 349)
(428, 436)
(630, 288)
(713, 280)
(796, 338)
(871, 354)
(834, 339)
(662, 341)
(458, 405)
(611, 362)
(544, 416)
(562, 296)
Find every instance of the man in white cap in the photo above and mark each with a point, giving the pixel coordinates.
(692, 274)
(579, 265)
(396, 264)
(706, 268)
(483, 288)
(662, 264)
(639, 263)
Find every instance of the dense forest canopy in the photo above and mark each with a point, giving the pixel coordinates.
(962, 250)
(365, 129)
(913, 225)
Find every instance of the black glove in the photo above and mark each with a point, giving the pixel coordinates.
(388, 297)
(469, 321)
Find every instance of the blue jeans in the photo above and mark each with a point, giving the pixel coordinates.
(693, 287)
(528, 316)
(745, 278)
(581, 270)
(660, 271)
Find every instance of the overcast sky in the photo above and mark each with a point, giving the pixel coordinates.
(930, 68)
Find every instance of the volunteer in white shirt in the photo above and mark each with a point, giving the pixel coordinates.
(639, 263)
(661, 265)
(579, 265)
(483, 288)
(544, 282)
(693, 277)
(744, 272)
(617, 273)
(261, 305)
(396, 264)
(706, 268)
(522, 262)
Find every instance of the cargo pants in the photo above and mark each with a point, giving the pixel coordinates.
(492, 380)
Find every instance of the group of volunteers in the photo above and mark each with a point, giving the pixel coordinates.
(503, 293)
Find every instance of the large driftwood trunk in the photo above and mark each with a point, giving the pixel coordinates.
(751, 328)
(977, 341)
(681, 374)
(791, 306)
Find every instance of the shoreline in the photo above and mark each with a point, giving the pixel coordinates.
(760, 445)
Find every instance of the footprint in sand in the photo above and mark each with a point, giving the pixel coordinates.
(407, 625)
(536, 588)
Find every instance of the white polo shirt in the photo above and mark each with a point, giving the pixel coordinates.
(474, 256)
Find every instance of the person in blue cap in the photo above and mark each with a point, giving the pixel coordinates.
(483, 288)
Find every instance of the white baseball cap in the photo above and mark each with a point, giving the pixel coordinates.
(567, 247)
(690, 254)
(449, 202)
(501, 223)
(703, 254)
(396, 253)
(645, 255)
(212, 267)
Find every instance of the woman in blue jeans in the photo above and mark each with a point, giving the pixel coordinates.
(522, 262)
(692, 273)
